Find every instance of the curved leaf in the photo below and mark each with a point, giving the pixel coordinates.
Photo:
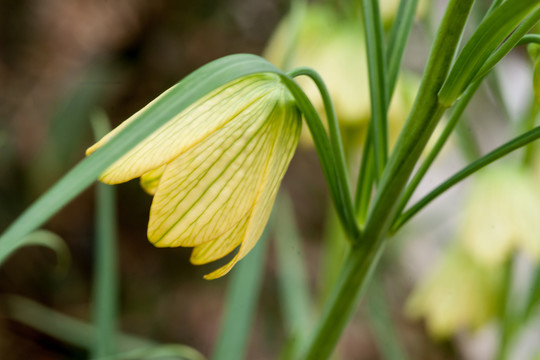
(179, 97)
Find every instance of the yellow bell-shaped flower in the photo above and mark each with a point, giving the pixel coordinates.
(215, 168)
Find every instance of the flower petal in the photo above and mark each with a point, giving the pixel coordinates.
(150, 180)
(208, 189)
(280, 156)
(187, 129)
(221, 246)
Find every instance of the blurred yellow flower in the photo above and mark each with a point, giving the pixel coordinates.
(335, 48)
(458, 294)
(215, 168)
(502, 215)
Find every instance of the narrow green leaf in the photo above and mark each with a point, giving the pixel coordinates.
(495, 4)
(399, 34)
(187, 91)
(69, 127)
(533, 297)
(240, 304)
(487, 159)
(512, 41)
(183, 94)
(377, 81)
(506, 312)
(162, 351)
(487, 37)
(52, 241)
(292, 278)
(467, 141)
(345, 205)
(453, 121)
(380, 319)
(364, 256)
(105, 265)
(454, 117)
(527, 123)
(76, 332)
(366, 177)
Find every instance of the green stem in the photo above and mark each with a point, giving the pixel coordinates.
(336, 145)
(105, 268)
(468, 144)
(528, 123)
(454, 117)
(81, 334)
(397, 40)
(533, 298)
(292, 279)
(529, 38)
(494, 4)
(506, 326)
(381, 323)
(240, 305)
(512, 41)
(489, 43)
(364, 255)
(468, 170)
(377, 81)
(456, 114)
(366, 177)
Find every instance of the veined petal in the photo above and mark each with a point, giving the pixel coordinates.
(221, 246)
(189, 128)
(285, 141)
(150, 180)
(205, 192)
(215, 168)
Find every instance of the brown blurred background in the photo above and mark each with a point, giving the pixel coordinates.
(60, 61)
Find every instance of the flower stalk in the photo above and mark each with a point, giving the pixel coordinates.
(336, 145)
(364, 256)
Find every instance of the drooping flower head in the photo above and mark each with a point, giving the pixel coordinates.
(215, 168)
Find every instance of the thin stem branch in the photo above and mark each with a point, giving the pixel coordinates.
(399, 33)
(529, 39)
(105, 295)
(456, 114)
(364, 256)
(512, 41)
(506, 315)
(528, 123)
(488, 44)
(377, 81)
(364, 185)
(336, 145)
(468, 170)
